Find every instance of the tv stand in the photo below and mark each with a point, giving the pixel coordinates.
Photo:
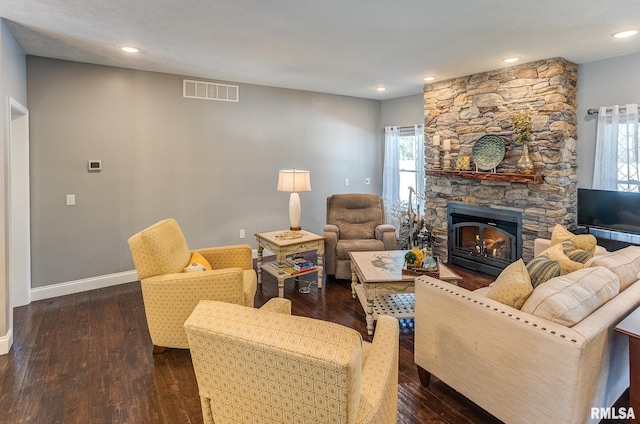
(614, 240)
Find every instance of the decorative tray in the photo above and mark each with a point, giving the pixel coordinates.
(488, 152)
(417, 272)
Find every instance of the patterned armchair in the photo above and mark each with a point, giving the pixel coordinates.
(355, 222)
(160, 254)
(258, 366)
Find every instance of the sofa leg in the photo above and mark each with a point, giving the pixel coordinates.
(158, 349)
(424, 375)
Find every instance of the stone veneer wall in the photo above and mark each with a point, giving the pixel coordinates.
(464, 109)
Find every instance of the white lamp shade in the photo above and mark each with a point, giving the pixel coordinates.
(294, 180)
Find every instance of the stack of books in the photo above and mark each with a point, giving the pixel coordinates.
(302, 265)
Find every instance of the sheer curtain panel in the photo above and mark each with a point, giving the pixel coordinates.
(616, 156)
(391, 169)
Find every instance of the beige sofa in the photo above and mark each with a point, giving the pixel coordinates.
(519, 367)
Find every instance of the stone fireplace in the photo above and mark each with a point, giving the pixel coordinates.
(464, 109)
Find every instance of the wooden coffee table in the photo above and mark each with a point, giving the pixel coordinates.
(377, 281)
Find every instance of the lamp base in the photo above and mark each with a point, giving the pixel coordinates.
(294, 212)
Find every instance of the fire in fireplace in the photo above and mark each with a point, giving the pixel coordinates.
(483, 239)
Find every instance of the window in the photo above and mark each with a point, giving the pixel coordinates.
(617, 161)
(628, 179)
(403, 165)
(408, 162)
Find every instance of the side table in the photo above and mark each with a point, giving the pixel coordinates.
(284, 243)
(631, 327)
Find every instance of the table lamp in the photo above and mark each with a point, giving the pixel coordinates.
(294, 181)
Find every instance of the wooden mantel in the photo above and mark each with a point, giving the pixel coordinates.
(489, 176)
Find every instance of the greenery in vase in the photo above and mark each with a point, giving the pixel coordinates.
(522, 126)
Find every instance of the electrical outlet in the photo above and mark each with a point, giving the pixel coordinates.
(346, 181)
(242, 234)
(71, 199)
(367, 180)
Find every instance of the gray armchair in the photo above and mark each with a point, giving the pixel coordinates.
(355, 222)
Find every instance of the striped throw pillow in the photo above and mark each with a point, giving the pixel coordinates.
(575, 254)
(543, 268)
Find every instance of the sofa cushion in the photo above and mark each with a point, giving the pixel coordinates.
(351, 231)
(625, 263)
(570, 298)
(543, 268)
(343, 247)
(582, 241)
(513, 285)
(556, 252)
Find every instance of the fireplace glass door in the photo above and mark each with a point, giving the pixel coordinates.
(483, 243)
(484, 239)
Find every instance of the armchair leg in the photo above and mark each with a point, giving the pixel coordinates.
(158, 349)
(424, 375)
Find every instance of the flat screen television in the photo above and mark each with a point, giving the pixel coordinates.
(609, 210)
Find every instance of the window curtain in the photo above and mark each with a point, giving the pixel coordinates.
(616, 138)
(419, 129)
(391, 170)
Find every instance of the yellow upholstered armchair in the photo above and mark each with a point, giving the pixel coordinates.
(254, 365)
(160, 255)
(355, 222)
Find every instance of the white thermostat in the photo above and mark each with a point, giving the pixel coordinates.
(94, 165)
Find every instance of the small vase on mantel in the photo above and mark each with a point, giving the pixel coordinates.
(525, 164)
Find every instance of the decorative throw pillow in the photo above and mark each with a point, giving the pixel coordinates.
(575, 254)
(197, 263)
(557, 254)
(625, 263)
(582, 241)
(569, 299)
(513, 285)
(542, 268)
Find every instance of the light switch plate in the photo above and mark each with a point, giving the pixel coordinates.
(71, 199)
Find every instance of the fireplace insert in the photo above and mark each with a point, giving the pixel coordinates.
(483, 239)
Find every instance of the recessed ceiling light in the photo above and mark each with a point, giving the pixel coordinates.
(625, 34)
(381, 88)
(511, 59)
(130, 49)
(430, 78)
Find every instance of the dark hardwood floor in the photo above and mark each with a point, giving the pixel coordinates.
(87, 358)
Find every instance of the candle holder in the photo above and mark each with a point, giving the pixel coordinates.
(436, 159)
(447, 158)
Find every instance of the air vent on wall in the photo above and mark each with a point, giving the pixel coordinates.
(210, 91)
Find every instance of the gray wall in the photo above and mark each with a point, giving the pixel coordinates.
(403, 111)
(211, 165)
(13, 84)
(602, 83)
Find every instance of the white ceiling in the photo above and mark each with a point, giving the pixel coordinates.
(345, 47)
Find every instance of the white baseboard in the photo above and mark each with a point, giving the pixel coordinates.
(6, 342)
(77, 286)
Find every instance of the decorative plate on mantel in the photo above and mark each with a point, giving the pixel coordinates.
(488, 152)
